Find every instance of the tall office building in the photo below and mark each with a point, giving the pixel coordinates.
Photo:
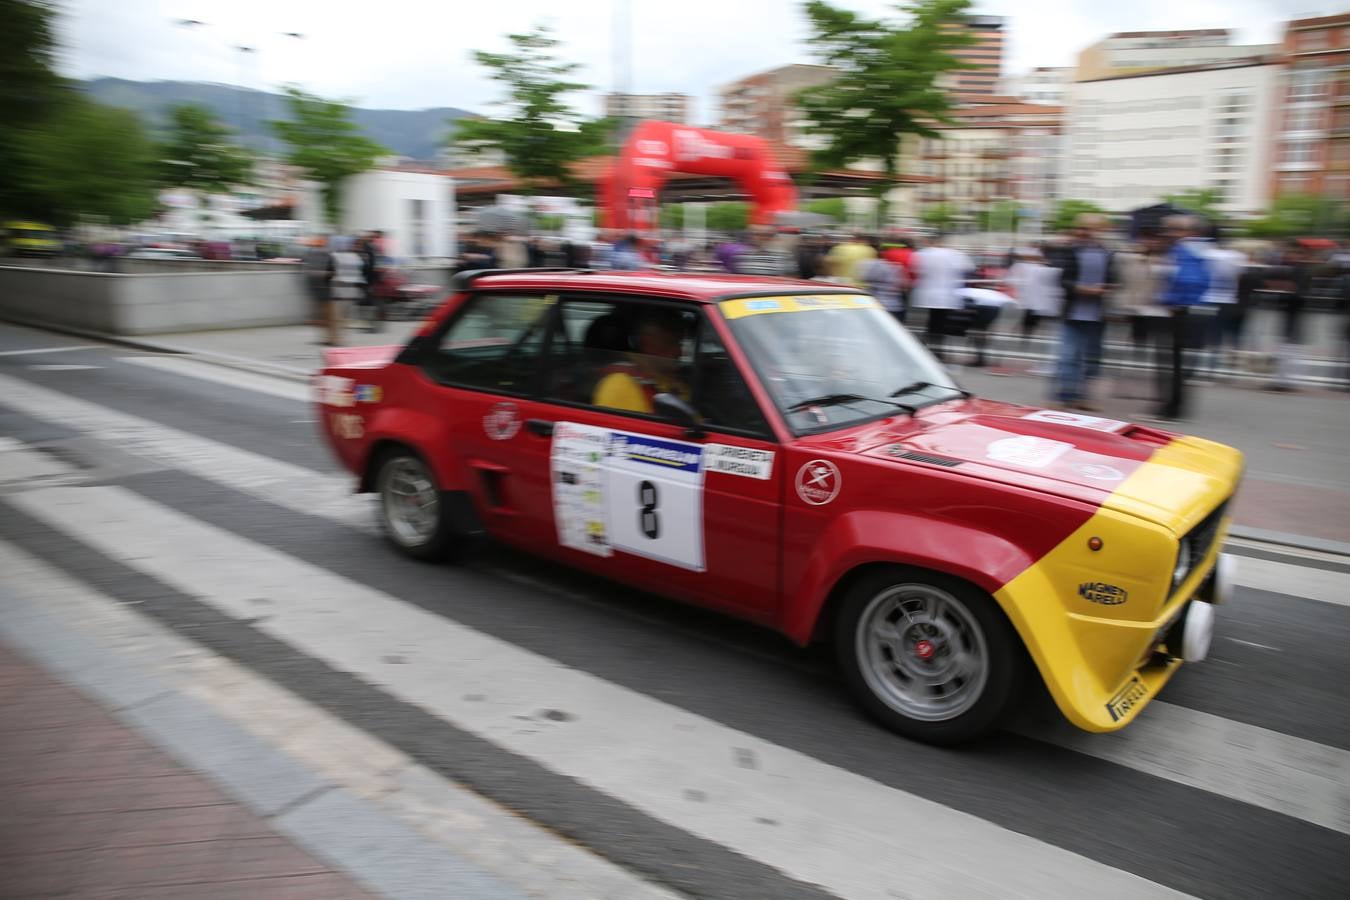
(982, 61)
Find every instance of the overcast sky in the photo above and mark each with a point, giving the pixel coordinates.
(412, 54)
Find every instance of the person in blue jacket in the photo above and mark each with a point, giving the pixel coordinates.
(1186, 287)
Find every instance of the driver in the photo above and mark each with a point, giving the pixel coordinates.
(632, 384)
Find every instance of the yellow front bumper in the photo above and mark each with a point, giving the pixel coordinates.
(1092, 619)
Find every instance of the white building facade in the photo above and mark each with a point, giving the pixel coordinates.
(414, 208)
(1132, 140)
(1042, 85)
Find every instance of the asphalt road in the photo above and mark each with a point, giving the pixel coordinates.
(702, 754)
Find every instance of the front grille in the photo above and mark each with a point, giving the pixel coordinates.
(1200, 539)
(1202, 536)
(915, 455)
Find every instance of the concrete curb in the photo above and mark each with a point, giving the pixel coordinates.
(355, 836)
(1284, 539)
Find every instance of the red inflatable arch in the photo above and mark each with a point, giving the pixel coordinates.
(629, 189)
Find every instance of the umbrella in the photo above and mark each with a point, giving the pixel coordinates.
(798, 218)
(501, 220)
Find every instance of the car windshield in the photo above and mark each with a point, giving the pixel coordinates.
(835, 360)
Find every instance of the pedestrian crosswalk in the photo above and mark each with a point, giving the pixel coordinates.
(817, 822)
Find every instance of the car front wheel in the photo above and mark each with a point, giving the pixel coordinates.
(411, 512)
(929, 656)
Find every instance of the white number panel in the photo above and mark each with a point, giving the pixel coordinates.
(615, 490)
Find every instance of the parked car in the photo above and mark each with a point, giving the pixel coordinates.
(786, 452)
(31, 239)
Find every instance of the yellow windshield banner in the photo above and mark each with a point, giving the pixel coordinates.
(758, 306)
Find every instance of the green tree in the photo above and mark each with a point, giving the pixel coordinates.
(731, 217)
(1066, 211)
(672, 216)
(199, 153)
(90, 160)
(941, 216)
(828, 206)
(1001, 215)
(887, 83)
(539, 133)
(29, 86)
(1307, 215)
(325, 142)
(1201, 201)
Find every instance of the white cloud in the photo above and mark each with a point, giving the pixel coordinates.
(416, 53)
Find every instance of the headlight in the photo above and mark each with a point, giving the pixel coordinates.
(1183, 565)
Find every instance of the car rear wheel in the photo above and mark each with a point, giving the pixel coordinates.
(411, 512)
(929, 656)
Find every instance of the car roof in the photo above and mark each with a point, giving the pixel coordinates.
(700, 287)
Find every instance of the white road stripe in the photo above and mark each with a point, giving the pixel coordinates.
(294, 487)
(837, 829)
(1264, 768)
(237, 378)
(36, 351)
(499, 840)
(54, 367)
(1299, 581)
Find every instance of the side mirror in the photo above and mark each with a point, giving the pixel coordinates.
(675, 409)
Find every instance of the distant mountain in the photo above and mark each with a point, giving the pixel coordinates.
(414, 133)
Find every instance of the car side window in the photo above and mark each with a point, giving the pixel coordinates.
(618, 354)
(493, 343)
(721, 396)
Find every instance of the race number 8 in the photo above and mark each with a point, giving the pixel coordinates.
(649, 523)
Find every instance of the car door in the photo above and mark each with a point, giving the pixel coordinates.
(689, 512)
(483, 368)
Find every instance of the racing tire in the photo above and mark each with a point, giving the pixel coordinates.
(412, 513)
(929, 656)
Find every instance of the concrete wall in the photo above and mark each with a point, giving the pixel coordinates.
(154, 303)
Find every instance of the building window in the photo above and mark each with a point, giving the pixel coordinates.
(418, 222)
(1298, 153)
(1303, 118)
(1293, 184)
(1307, 85)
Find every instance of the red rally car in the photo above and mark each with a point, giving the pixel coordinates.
(786, 452)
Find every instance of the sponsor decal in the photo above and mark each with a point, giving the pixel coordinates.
(1103, 593)
(502, 421)
(747, 462)
(818, 482)
(655, 452)
(1027, 451)
(1098, 472)
(762, 305)
(348, 426)
(1076, 420)
(1126, 699)
(333, 390)
(369, 393)
(652, 148)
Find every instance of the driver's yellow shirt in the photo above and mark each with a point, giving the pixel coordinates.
(621, 390)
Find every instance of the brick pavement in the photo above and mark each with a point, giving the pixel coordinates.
(93, 810)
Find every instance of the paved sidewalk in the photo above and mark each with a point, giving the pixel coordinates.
(92, 810)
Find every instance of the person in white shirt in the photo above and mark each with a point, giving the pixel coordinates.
(1037, 289)
(939, 272)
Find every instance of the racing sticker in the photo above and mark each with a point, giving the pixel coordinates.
(1126, 699)
(818, 482)
(1027, 451)
(655, 498)
(349, 426)
(333, 390)
(1076, 420)
(756, 306)
(502, 421)
(577, 469)
(615, 490)
(1099, 472)
(748, 462)
(368, 393)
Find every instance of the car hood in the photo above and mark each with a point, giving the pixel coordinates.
(1165, 478)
